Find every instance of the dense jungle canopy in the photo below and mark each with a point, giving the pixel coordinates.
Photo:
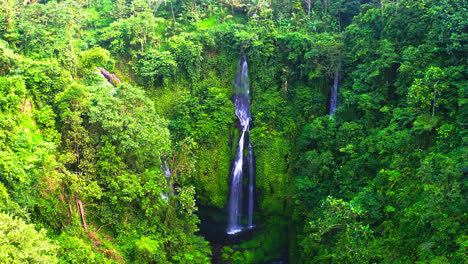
(100, 100)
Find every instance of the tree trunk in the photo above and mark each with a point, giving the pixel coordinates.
(196, 12)
(339, 22)
(434, 100)
(83, 214)
(71, 209)
(172, 10)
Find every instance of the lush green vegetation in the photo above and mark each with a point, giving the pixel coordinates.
(81, 161)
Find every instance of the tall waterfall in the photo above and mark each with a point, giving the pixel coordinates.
(334, 91)
(241, 98)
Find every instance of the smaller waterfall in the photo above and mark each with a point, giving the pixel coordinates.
(250, 160)
(167, 173)
(110, 77)
(105, 82)
(334, 91)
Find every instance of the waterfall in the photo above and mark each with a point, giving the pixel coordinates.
(241, 99)
(167, 173)
(334, 91)
(250, 160)
(105, 82)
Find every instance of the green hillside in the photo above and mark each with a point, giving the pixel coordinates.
(100, 100)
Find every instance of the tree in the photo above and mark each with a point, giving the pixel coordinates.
(339, 230)
(21, 243)
(76, 248)
(156, 67)
(423, 93)
(77, 151)
(125, 117)
(12, 93)
(9, 60)
(74, 104)
(92, 58)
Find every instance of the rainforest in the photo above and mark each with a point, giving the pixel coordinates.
(234, 131)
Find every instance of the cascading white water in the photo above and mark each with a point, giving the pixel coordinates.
(167, 173)
(241, 100)
(235, 198)
(334, 91)
(105, 82)
(250, 161)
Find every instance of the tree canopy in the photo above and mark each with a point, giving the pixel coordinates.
(129, 171)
